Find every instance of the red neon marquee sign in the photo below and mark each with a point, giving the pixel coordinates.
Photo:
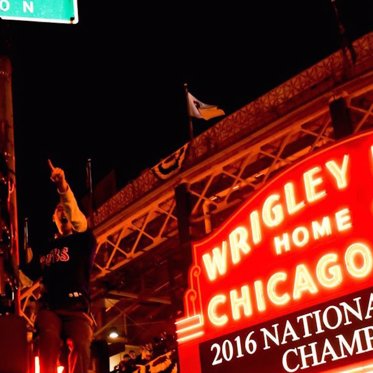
(304, 239)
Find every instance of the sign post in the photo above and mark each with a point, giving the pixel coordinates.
(53, 11)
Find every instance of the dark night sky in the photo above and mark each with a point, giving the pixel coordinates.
(110, 88)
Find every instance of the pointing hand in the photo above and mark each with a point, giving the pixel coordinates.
(58, 177)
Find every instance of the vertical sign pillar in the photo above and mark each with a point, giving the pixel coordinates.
(183, 212)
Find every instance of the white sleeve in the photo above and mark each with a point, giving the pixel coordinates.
(77, 218)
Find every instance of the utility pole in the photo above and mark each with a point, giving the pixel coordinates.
(9, 250)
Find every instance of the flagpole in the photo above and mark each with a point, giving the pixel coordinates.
(90, 190)
(345, 43)
(190, 122)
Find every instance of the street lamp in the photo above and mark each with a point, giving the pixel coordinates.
(113, 333)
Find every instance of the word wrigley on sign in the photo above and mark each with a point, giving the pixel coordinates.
(54, 11)
(285, 284)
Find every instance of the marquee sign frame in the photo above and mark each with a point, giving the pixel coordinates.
(286, 280)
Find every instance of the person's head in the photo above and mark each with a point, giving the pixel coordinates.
(132, 354)
(147, 351)
(61, 220)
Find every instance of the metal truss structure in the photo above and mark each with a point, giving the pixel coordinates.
(140, 265)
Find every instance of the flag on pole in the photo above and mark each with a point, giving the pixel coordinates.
(199, 109)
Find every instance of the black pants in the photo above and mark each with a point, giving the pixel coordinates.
(58, 326)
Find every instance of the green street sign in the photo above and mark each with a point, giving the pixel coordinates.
(54, 11)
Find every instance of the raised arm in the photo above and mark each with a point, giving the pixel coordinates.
(67, 199)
